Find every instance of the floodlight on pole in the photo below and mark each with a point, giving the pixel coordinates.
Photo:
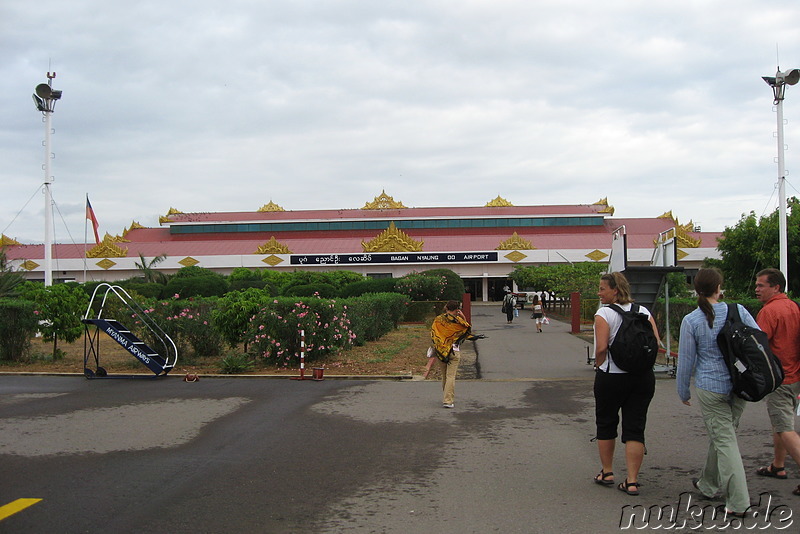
(44, 98)
(778, 84)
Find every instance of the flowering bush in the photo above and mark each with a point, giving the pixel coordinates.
(274, 331)
(187, 322)
(419, 286)
(375, 314)
(232, 313)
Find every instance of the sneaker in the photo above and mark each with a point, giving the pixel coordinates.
(451, 405)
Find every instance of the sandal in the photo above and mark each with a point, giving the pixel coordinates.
(738, 515)
(626, 487)
(772, 471)
(696, 484)
(602, 478)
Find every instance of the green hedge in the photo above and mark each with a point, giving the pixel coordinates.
(239, 285)
(423, 311)
(325, 291)
(679, 308)
(150, 290)
(18, 324)
(196, 286)
(371, 285)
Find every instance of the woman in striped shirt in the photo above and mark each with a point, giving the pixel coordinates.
(700, 357)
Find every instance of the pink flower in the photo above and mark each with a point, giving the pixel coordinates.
(176, 296)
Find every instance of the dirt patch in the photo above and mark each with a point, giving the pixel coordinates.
(400, 352)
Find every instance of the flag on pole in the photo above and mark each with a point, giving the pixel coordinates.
(91, 217)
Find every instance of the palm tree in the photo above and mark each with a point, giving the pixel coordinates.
(9, 279)
(149, 271)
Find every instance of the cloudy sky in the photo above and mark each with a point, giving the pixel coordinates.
(316, 104)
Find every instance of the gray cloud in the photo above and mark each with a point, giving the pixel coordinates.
(205, 106)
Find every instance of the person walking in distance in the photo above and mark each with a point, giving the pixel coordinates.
(509, 304)
(780, 319)
(538, 312)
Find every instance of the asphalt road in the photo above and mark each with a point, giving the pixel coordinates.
(279, 456)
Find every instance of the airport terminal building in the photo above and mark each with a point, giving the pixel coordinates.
(384, 238)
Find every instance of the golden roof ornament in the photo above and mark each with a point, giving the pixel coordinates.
(606, 209)
(498, 202)
(116, 238)
(273, 246)
(166, 218)
(383, 202)
(134, 226)
(270, 207)
(6, 241)
(515, 242)
(107, 249)
(392, 240)
(681, 232)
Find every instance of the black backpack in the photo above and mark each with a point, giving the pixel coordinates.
(635, 346)
(755, 371)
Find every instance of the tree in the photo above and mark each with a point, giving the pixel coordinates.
(678, 287)
(59, 309)
(149, 272)
(752, 245)
(561, 279)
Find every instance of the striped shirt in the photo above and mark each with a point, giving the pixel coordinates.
(699, 355)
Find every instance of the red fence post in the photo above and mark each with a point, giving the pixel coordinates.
(575, 305)
(466, 306)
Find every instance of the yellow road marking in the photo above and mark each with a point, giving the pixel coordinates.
(16, 506)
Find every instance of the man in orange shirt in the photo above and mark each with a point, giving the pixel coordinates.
(780, 319)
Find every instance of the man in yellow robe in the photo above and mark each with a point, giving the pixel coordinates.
(447, 331)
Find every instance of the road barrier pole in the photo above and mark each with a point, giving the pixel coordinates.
(302, 356)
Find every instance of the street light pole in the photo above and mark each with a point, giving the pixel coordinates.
(45, 98)
(778, 84)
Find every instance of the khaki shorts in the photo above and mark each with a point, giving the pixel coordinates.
(782, 407)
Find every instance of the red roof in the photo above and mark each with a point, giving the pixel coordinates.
(395, 214)
(151, 242)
